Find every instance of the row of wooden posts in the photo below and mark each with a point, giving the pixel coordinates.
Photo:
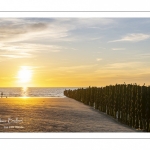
(128, 103)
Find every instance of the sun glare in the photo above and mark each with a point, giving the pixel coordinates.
(24, 74)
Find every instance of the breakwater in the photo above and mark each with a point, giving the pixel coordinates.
(127, 103)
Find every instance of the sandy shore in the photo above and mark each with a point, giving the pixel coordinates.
(54, 115)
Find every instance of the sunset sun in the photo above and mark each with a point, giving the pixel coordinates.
(24, 74)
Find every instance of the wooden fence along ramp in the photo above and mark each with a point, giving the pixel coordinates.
(128, 103)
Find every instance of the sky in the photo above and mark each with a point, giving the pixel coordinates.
(74, 52)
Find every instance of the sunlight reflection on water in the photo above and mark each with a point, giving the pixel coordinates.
(34, 91)
(24, 91)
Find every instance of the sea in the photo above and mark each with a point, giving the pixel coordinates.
(34, 91)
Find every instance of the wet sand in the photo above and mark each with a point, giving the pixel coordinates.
(54, 115)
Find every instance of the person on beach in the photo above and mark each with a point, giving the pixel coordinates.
(1, 94)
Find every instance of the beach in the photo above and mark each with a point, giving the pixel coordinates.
(54, 115)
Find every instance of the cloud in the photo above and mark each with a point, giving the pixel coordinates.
(123, 65)
(25, 50)
(37, 26)
(32, 29)
(21, 29)
(11, 29)
(135, 37)
(95, 38)
(27, 47)
(19, 55)
(73, 68)
(94, 22)
(98, 59)
(118, 49)
(116, 70)
(142, 56)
